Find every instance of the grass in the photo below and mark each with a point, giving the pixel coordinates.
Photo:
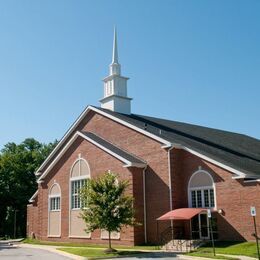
(69, 244)
(93, 250)
(210, 255)
(229, 248)
(94, 253)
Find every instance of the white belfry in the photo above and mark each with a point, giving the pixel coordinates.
(115, 86)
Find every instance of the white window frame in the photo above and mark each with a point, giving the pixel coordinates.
(202, 188)
(83, 177)
(49, 207)
(55, 205)
(73, 180)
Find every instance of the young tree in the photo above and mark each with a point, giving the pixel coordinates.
(106, 206)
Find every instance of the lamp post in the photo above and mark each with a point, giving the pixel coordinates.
(15, 211)
(253, 214)
(211, 231)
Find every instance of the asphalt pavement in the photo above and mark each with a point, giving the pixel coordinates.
(14, 252)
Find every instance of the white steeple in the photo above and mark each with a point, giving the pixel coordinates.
(115, 67)
(115, 86)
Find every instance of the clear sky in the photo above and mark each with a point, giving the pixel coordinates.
(195, 61)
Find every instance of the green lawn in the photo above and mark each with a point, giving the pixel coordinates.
(210, 255)
(93, 253)
(229, 248)
(67, 244)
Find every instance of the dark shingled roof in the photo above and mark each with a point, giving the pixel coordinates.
(238, 151)
(126, 155)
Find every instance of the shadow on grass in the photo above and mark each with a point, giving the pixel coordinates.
(138, 254)
(222, 244)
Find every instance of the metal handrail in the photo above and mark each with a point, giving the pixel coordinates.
(168, 235)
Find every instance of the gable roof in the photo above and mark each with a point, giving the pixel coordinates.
(237, 151)
(124, 156)
(128, 159)
(73, 127)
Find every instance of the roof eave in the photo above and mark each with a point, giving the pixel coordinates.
(82, 115)
(137, 165)
(32, 199)
(78, 120)
(77, 134)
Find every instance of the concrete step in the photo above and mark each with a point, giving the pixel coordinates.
(182, 245)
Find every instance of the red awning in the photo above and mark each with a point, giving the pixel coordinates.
(182, 214)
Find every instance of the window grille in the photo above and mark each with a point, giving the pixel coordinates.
(76, 186)
(54, 203)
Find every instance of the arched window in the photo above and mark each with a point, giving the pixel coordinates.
(201, 190)
(54, 222)
(54, 197)
(79, 174)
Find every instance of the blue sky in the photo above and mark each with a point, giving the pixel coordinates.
(192, 61)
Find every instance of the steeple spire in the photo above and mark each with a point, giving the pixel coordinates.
(115, 52)
(115, 67)
(115, 86)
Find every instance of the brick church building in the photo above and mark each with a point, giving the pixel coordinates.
(169, 165)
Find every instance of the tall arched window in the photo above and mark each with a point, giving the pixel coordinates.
(79, 174)
(54, 227)
(201, 190)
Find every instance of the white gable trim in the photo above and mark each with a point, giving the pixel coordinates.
(75, 124)
(65, 148)
(166, 144)
(83, 114)
(32, 199)
(249, 181)
(155, 137)
(127, 162)
(239, 173)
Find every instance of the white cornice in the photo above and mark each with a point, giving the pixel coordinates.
(114, 96)
(114, 76)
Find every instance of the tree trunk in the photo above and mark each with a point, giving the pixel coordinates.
(109, 240)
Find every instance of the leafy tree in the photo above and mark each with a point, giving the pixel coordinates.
(18, 163)
(107, 206)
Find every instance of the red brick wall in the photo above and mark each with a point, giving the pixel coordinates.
(32, 219)
(99, 162)
(157, 175)
(157, 178)
(234, 197)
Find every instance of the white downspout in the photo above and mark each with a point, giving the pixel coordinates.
(170, 179)
(144, 197)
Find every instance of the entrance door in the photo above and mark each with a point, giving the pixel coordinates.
(203, 226)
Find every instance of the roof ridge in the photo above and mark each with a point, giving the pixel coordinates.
(196, 125)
